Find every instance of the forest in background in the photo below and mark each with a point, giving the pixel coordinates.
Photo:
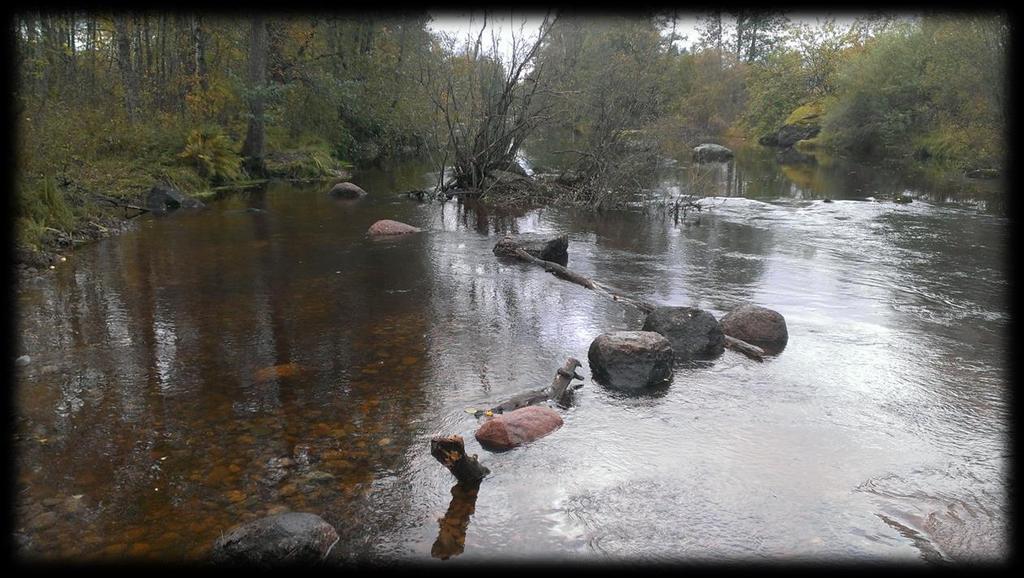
(108, 105)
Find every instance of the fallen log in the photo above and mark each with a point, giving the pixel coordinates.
(507, 247)
(451, 452)
(121, 204)
(752, 351)
(555, 392)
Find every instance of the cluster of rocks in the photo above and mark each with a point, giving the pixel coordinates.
(635, 360)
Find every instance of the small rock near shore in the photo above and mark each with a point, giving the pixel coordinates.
(388, 227)
(693, 333)
(549, 248)
(512, 429)
(347, 191)
(289, 538)
(162, 198)
(757, 325)
(631, 359)
(23, 361)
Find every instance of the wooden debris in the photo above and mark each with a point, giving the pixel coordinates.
(451, 452)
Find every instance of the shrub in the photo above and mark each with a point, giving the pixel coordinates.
(212, 155)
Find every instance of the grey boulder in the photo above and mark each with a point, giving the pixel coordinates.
(283, 539)
(631, 360)
(693, 333)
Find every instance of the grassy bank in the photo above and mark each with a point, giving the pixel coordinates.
(73, 172)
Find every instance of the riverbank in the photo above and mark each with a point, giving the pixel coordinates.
(86, 201)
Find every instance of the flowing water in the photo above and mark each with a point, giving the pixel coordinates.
(215, 366)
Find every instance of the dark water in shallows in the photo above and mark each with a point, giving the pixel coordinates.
(151, 418)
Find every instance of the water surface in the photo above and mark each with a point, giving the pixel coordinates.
(177, 366)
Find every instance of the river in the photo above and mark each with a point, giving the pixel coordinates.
(175, 365)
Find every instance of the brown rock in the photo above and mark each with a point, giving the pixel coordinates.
(757, 325)
(347, 191)
(508, 430)
(389, 227)
(277, 372)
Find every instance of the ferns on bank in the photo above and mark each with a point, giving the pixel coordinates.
(212, 155)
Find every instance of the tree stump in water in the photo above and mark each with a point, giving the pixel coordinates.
(451, 452)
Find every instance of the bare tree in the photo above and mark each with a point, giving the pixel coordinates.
(484, 104)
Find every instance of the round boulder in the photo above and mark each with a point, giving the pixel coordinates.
(631, 359)
(388, 227)
(711, 153)
(347, 191)
(162, 198)
(508, 430)
(289, 538)
(693, 333)
(757, 325)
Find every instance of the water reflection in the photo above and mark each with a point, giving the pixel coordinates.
(217, 366)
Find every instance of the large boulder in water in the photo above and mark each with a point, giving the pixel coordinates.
(347, 191)
(757, 325)
(508, 430)
(631, 359)
(289, 538)
(545, 247)
(386, 227)
(693, 333)
(790, 134)
(162, 198)
(711, 153)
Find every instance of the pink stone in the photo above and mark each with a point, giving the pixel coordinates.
(508, 430)
(389, 227)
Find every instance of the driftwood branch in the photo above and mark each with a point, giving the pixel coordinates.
(752, 351)
(507, 247)
(451, 452)
(554, 392)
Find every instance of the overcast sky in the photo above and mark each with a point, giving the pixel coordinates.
(464, 24)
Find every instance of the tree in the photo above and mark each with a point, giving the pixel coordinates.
(253, 148)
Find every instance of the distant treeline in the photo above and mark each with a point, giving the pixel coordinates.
(111, 103)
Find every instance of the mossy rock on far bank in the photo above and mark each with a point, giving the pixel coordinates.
(803, 124)
(808, 145)
(806, 114)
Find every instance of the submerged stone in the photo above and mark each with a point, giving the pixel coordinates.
(512, 429)
(631, 359)
(289, 538)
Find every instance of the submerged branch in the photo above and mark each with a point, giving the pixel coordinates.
(507, 247)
